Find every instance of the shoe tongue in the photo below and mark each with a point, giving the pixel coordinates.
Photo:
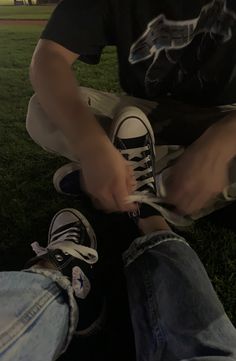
(130, 143)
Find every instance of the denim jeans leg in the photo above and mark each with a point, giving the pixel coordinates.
(34, 316)
(176, 314)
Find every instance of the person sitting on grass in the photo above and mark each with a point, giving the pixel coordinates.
(176, 64)
(175, 312)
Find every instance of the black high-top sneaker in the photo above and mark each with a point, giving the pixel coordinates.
(72, 250)
(133, 136)
(67, 180)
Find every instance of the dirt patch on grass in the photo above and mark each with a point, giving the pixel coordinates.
(22, 22)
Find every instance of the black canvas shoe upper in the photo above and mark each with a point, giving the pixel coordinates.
(133, 136)
(72, 249)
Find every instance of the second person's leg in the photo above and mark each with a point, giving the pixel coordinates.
(57, 296)
(176, 314)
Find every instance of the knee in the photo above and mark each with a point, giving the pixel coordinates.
(32, 114)
(38, 124)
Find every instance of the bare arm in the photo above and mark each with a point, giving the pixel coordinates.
(56, 87)
(106, 175)
(202, 172)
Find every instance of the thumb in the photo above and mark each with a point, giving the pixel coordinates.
(121, 194)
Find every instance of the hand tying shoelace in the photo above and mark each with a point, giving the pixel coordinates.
(133, 136)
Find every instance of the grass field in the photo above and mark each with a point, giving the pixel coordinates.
(25, 12)
(28, 200)
(6, 2)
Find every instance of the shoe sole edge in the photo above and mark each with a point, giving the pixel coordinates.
(61, 173)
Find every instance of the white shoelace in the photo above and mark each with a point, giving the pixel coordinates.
(145, 196)
(65, 243)
(140, 196)
(141, 163)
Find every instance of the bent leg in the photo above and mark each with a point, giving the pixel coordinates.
(45, 133)
(168, 119)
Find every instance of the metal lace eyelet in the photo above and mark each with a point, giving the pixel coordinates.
(59, 258)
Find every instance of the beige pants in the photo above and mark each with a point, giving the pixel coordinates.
(175, 125)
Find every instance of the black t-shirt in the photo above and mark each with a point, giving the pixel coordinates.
(184, 49)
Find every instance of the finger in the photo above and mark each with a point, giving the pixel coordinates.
(120, 195)
(131, 181)
(131, 185)
(130, 170)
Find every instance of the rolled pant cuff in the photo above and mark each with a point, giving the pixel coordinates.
(65, 284)
(142, 244)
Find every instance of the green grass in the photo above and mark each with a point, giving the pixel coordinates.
(25, 12)
(28, 200)
(6, 2)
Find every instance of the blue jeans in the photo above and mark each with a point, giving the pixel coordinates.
(176, 314)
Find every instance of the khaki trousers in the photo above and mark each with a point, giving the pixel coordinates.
(175, 126)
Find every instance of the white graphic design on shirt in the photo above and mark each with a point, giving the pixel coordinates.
(163, 38)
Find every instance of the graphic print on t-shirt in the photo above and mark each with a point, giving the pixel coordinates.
(164, 40)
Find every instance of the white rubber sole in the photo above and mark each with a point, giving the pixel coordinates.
(61, 173)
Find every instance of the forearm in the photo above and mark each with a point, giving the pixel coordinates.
(57, 90)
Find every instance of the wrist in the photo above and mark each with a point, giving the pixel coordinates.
(91, 144)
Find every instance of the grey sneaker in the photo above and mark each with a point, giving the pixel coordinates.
(133, 136)
(72, 249)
